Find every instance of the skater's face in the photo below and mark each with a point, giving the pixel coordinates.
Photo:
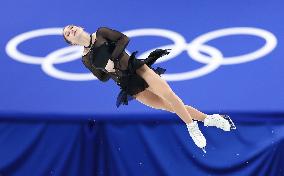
(73, 34)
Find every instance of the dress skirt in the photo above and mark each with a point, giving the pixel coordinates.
(130, 82)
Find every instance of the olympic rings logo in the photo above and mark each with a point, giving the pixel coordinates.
(212, 60)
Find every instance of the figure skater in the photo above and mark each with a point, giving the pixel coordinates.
(104, 55)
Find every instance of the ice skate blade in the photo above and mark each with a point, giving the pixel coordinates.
(233, 126)
(203, 149)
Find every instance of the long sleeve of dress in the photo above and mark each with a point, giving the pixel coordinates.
(116, 36)
(101, 75)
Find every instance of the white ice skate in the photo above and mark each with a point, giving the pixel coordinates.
(223, 122)
(196, 135)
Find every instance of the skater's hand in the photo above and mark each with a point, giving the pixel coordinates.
(110, 66)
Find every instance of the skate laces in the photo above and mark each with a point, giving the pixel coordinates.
(193, 128)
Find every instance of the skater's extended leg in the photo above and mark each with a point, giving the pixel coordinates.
(152, 100)
(161, 88)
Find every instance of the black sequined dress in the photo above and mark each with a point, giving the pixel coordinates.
(111, 44)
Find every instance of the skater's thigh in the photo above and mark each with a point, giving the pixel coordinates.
(150, 99)
(157, 85)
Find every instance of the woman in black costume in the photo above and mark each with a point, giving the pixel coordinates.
(104, 55)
